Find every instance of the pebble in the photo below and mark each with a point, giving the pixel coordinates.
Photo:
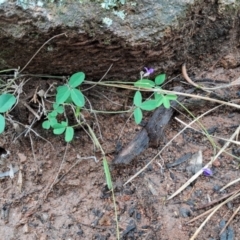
(185, 212)
(216, 188)
(130, 227)
(212, 130)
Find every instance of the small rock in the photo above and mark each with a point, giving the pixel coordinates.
(25, 228)
(230, 206)
(131, 211)
(185, 212)
(43, 237)
(212, 130)
(45, 217)
(216, 188)
(198, 193)
(195, 163)
(22, 157)
(138, 216)
(80, 232)
(216, 163)
(130, 227)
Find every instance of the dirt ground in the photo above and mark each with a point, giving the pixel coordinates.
(60, 191)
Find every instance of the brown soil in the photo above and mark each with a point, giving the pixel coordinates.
(64, 197)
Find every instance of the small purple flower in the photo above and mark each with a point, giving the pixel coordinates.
(207, 172)
(148, 71)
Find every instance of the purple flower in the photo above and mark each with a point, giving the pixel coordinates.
(148, 71)
(207, 172)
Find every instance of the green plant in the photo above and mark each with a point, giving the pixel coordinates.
(110, 187)
(158, 99)
(67, 94)
(7, 100)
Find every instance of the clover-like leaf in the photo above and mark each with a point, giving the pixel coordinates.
(149, 105)
(76, 79)
(53, 114)
(137, 99)
(69, 133)
(77, 97)
(166, 102)
(60, 109)
(137, 115)
(160, 79)
(59, 128)
(46, 124)
(144, 83)
(158, 98)
(6, 102)
(63, 92)
(171, 96)
(52, 121)
(55, 105)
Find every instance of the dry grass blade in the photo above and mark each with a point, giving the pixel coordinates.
(210, 210)
(230, 219)
(165, 92)
(201, 215)
(229, 184)
(211, 214)
(189, 80)
(224, 139)
(215, 201)
(206, 166)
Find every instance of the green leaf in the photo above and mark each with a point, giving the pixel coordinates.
(52, 121)
(69, 134)
(2, 123)
(55, 106)
(63, 92)
(144, 83)
(166, 102)
(52, 114)
(76, 79)
(160, 79)
(46, 124)
(171, 96)
(137, 115)
(77, 97)
(159, 99)
(59, 128)
(69, 100)
(6, 102)
(149, 105)
(107, 173)
(137, 100)
(60, 109)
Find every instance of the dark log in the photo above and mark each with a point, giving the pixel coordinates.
(133, 149)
